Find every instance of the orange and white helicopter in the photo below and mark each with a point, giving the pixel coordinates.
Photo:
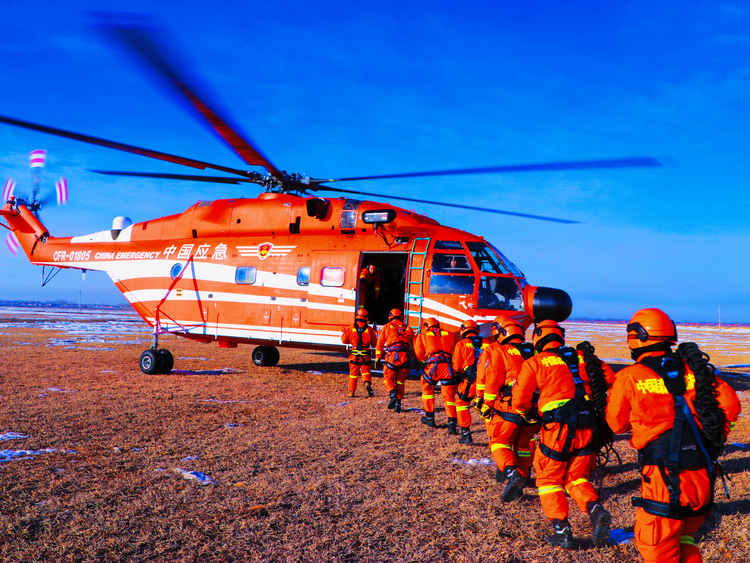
(283, 269)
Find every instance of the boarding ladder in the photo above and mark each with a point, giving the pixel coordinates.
(415, 281)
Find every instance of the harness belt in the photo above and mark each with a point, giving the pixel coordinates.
(576, 413)
(399, 349)
(435, 359)
(681, 448)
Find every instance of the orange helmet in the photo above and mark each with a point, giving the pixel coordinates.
(431, 322)
(395, 314)
(651, 326)
(546, 332)
(508, 329)
(469, 327)
(362, 314)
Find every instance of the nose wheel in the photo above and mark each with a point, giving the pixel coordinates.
(156, 361)
(266, 356)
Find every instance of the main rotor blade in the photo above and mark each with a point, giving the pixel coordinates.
(190, 177)
(140, 39)
(119, 146)
(646, 161)
(444, 204)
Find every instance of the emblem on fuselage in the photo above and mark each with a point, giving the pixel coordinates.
(264, 250)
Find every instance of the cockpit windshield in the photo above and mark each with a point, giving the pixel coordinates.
(500, 293)
(486, 260)
(511, 266)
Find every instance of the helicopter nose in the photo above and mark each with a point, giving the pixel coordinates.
(551, 303)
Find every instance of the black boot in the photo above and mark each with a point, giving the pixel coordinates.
(394, 399)
(452, 422)
(397, 406)
(563, 536)
(429, 419)
(465, 437)
(370, 392)
(514, 488)
(600, 523)
(500, 475)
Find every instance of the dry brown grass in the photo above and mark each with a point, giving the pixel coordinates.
(302, 478)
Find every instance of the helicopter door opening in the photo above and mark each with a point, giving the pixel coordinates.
(383, 287)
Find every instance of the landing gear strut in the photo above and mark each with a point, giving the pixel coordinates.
(156, 360)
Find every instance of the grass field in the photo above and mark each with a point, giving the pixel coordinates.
(295, 470)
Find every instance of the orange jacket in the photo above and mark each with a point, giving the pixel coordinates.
(351, 336)
(548, 372)
(464, 354)
(639, 401)
(499, 366)
(433, 340)
(393, 333)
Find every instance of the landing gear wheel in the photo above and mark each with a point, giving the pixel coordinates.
(167, 359)
(151, 362)
(265, 356)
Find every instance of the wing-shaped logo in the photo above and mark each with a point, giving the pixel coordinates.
(264, 250)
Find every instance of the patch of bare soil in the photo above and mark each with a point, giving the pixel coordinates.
(300, 472)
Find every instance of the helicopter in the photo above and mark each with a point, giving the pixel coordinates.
(286, 268)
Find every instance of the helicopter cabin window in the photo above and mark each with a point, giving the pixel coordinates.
(499, 293)
(175, 271)
(451, 264)
(451, 285)
(245, 275)
(303, 276)
(487, 261)
(448, 245)
(332, 277)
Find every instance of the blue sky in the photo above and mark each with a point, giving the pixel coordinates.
(347, 89)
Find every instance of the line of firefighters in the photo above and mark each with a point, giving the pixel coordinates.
(678, 410)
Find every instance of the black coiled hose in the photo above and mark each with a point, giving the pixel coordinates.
(710, 413)
(602, 433)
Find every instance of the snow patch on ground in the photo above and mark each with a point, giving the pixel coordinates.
(201, 478)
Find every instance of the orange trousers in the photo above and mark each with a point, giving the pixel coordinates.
(462, 407)
(665, 540)
(395, 380)
(553, 476)
(449, 398)
(354, 372)
(510, 443)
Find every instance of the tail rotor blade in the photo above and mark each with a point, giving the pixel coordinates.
(10, 185)
(61, 188)
(12, 243)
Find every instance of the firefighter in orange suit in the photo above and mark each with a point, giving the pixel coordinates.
(434, 347)
(680, 414)
(510, 434)
(361, 338)
(566, 453)
(395, 347)
(369, 282)
(465, 359)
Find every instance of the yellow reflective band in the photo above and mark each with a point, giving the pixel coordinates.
(689, 540)
(489, 397)
(554, 404)
(579, 482)
(352, 377)
(548, 490)
(428, 396)
(450, 404)
(523, 453)
(480, 387)
(460, 408)
(494, 447)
